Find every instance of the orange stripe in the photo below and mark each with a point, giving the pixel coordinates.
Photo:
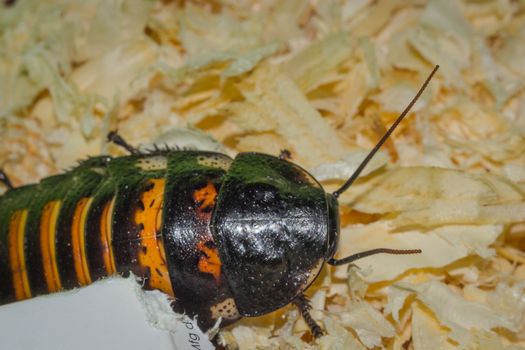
(78, 232)
(48, 224)
(206, 196)
(152, 255)
(17, 259)
(105, 237)
(209, 262)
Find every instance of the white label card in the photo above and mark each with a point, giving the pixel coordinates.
(188, 336)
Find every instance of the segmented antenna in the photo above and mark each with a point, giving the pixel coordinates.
(351, 258)
(372, 153)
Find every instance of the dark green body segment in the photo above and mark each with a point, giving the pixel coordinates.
(187, 233)
(128, 184)
(82, 183)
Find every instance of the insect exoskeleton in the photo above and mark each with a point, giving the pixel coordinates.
(224, 238)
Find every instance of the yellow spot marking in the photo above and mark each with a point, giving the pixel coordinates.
(225, 309)
(152, 163)
(78, 232)
(106, 235)
(48, 224)
(17, 259)
(152, 255)
(215, 161)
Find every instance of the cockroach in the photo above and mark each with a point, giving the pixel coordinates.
(224, 238)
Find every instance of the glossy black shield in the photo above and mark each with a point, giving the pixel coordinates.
(271, 227)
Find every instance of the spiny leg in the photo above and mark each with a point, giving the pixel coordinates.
(118, 140)
(303, 304)
(5, 180)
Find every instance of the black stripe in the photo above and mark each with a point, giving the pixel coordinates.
(64, 247)
(33, 252)
(84, 184)
(94, 246)
(126, 233)
(7, 293)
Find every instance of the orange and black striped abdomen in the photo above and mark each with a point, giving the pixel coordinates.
(42, 233)
(143, 214)
(68, 232)
(22, 263)
(71, 256)
(42, 213)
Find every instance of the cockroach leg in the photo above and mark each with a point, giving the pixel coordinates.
(5, 180)
(303, 304)
(114, 137)
(285, 154)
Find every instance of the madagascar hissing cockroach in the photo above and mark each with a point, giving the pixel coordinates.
(224, 238)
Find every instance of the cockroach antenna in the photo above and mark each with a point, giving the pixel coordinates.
(354, 257)
(385, 137)
(355, 175)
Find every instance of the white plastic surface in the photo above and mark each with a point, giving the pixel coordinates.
(105, 315)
